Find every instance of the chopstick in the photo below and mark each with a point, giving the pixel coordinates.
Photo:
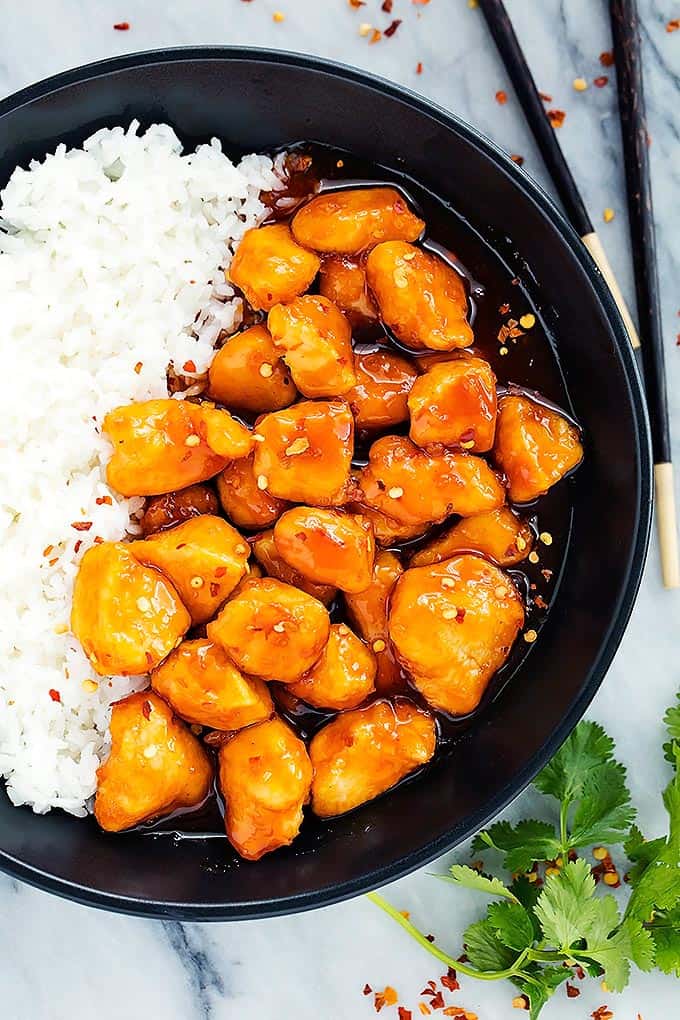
(628, 60)
(511, 53)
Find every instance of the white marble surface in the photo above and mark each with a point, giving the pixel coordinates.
(59, 960)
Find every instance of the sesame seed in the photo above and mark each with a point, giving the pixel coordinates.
(546, 538)
(258, 438)
(600, 853)
(409, 256)
(297, 446)
(448, 582)
(530, 636)
(468, 446)
(551, 872)
(364, 28)
(143, 604)
(527, 321)
(150, 751)
(192, 440)
(533, 557)
(279, 628)
(503, 351)
(342, 630)
(608, 215)
(400, 278)
(61, 628)
(278, 16)
(519, 1002)
(520, 543)
(580, 84)
(90, 686)
(500, 592)
(241, 549)
(395, 492)
(450, 614)
(262, 481)
(379, 646)
(266, 369)
(197, 582)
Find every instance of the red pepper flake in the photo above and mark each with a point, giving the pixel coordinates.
(545, 97)
(579, 972)
(463, 958)
(429, 989)
(139, 366)
(540, 602)
(424, 1008)
(450, 980)
(420, 3)
(122, 26)
(419, 67)
(404, 1014)
(375, 37)
(387, 6)
(601, 81)
(501, 97)
(220, 571)
(572, 991)
(677, 340)
(189, 366)
(391, 29)
(607, 58)
(103, 501)
(547, 574)
(430, 938)
(602, 1013)
(673, 25)
(456, 1011)
(556, 117)
(81, 525)
(367, 988)
(76, 547)
(504, 308)
(356, 4)
(55, 695)
(519, 160)
(388, 997)
(47, 550)
(149, 658)
(214, 589)
(50, 563)
(97, 539)
(437, 1001)
(146, 709)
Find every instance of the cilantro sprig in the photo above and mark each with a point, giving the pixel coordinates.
(535, 933)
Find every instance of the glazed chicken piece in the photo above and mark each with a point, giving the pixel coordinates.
(127, 616)
(354, 220)
(379, 399)
(163, 512)
(204, 687)
(343, 281)
(327, 546)
(535, 446)
(387, 531)
(269, 266)
(367, 611)
(452, 625)
(363, 753)
(265, 776)
(163, 445)
(500, 535)
(343, 677)
(272, 630)
(417, 487)
(243, 501)
(248, 374)
(205, 558)
(454, 403)
(155, 766)
(267, 555)
(315, 340)
(307, 452)
(420, 297)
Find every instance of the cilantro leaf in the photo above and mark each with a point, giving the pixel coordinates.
(484, 949)
(642, 852)
(672, 724)
(665, 931)
(512, 924)
(540, 985)
(460, 874)
(629, 943)
(588, 747)
(604, 812)
(563, 902)
(522, 844)
(527, 893)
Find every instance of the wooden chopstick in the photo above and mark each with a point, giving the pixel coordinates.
(511, 53)
(628, 60)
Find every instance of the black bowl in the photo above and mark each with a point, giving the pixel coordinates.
(255, 101)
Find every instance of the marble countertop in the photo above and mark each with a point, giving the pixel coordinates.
(59, 960)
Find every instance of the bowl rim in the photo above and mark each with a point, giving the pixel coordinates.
(534, 192)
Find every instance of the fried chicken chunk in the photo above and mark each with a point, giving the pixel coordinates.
(418, 487)
(205, 558)
(163, 512)
(454, 403)
(500, 535)
(363, 753)
(535, 446)
(452, 625)
(420, 297)
(270, 266)
(343, 677)
(204, 687)
(343, 281)
(243, 501)
(368, 612)
(163, 445)
(155, 766)
(272, 630)
(379, 399)
(248, 374)
(265, 775)
(127, 616)
(307, 452)
(327, 546)
(354, 220)
(315, 340)
(269, 558)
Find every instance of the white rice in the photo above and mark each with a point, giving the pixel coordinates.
(111, 260)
